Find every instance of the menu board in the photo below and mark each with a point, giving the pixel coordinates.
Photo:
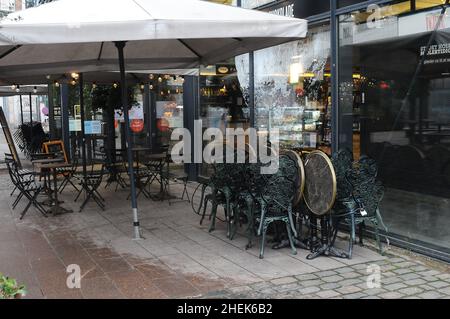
(9, 139)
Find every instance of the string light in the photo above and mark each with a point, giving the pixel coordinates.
(151, 86)
(35, 90)
(162, 93)
(56, 83)
(73, 81)
(48, 77)
(17, 88)
(115, 85)
(160, 79)
(168, 91)
(142, 86)
(151, 76)
(75, 75)
(13, 87)
(94, 85)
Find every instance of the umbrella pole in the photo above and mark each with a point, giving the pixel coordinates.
(31, 118)
(21, 109)
(83, 138)
(120, 46)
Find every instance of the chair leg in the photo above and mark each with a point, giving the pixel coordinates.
(362, 226)
(205, 204)
(352, 235)
(263, 241)
(213, 217)
(234, 222)
(291, 239)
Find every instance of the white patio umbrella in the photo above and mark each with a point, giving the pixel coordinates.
(104, 35)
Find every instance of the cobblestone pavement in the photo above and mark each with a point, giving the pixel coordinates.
(178, 258)
(399, 278)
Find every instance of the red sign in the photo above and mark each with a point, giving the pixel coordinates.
(163, 125)
(137, 125)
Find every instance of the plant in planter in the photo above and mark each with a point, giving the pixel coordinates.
(9, 289)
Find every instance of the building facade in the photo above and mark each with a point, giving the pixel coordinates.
(361, 80)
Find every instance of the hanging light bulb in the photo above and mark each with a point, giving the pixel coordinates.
(160, 79)
(74, 75)
(167, 76)
(48, 76)
(142, 86)
(162, 93)
(56, 83)
(177, 90)
(35, 90)
(151, 86)
(168, 91)
(17, 88)
(13, 87)
(94, 85)
(115, 85)
(151, 76)
(73, 81)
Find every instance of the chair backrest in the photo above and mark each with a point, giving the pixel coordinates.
(56, 147)
(280, 188)
(367, 190)
(343, 166)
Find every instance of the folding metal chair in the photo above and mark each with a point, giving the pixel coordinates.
(27, 186)
(91, 183)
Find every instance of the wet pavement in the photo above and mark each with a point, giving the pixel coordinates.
(178, 258)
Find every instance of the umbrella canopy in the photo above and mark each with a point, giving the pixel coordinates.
(160, 34)
(103, 35)
(99, 77)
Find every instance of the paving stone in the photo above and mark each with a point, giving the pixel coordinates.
(309, 290)
(240, 289)
(401, 271)
(444, 276)
(330, 285)
(309, 283)
(426, 287)
(375, 291)
(405, 264)
(261, 285)
(391, 295)
(411, 291)
(409, 276)
(334, 278)
(415, 282)
(344, 270)
(306, 277)
(360, 267)
(326, 273)
(288, 287)
(390, 280)
(396, 259)
(439, 284)
(412, 297)
(350, 282)
(395, 287)
(284, 280)
(430, 295)
(358, 295)
(429, 273)
(388, 274)
(371, 297)
(387, 268)
(349, 290)
(445, 291)
(328, 294)
(349, 275)
(419, 268)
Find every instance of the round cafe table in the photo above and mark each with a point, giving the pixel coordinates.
(52, 165)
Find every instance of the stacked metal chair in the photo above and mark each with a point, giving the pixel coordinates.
(359, 197)
(26, 185)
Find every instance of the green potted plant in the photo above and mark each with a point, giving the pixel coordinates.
(9, 289)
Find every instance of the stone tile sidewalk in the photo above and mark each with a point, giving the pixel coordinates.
(179, 258)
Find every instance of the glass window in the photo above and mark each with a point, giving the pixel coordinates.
(292, 91)
(397, 111)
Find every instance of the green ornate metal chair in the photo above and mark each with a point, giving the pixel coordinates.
(276, 201)
(359, 197)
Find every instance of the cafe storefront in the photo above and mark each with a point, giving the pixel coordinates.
(361, 81)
